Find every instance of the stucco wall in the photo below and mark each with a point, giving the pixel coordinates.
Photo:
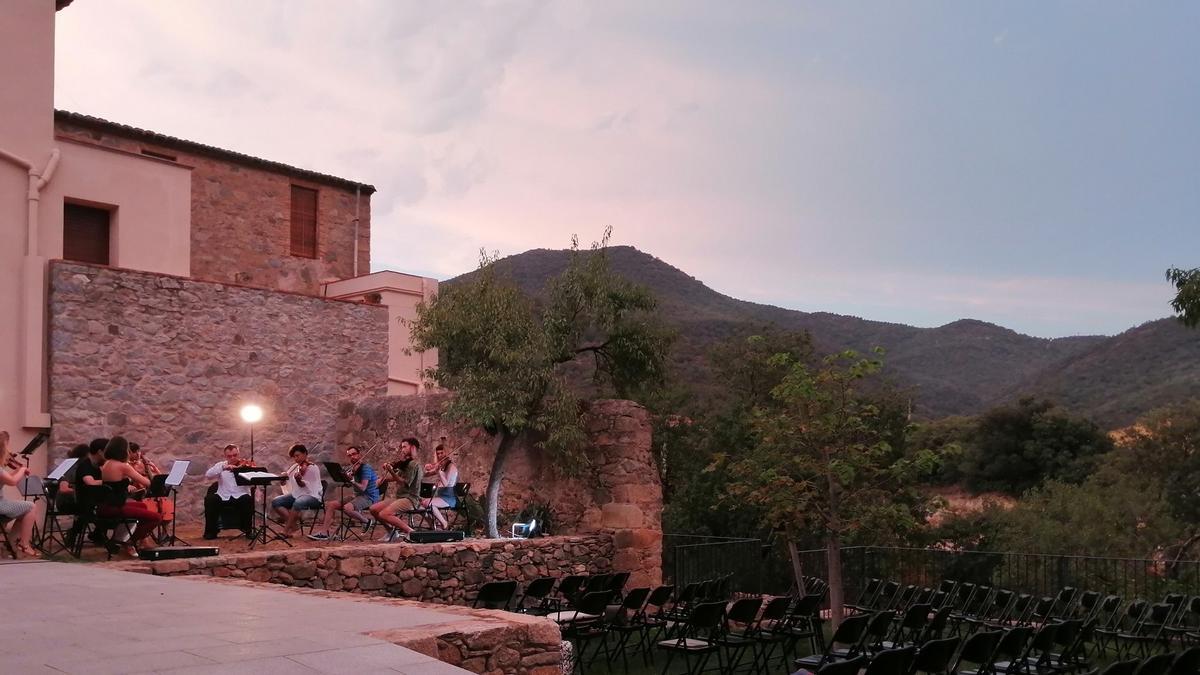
(168, 362)
(241, 215)
(620, 492)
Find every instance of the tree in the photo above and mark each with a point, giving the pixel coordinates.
(508, 358)
(822, 463)
(1187, 294)
(1015, 448)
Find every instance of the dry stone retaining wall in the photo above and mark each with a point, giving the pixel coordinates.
(438, 573)
(620, 493)
(168, 361)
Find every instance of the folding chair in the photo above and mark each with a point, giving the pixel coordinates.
(979, 649)
(495, 595)
(934, 657)
(630, 618)
(849, 633)
(697, 638)
(740, 631)
(538, 590)
(4, 525)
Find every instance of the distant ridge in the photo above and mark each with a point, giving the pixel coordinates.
(963, 367)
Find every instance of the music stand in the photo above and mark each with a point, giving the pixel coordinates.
(53, 537)
(257, 477)
(337, 474)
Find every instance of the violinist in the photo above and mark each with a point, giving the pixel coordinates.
(20, 512)
(366, 493)
(142, 465)
(118, 475)
(447, 477)
(404, 493)
(161, 505)
(301, 492)
(229, 496)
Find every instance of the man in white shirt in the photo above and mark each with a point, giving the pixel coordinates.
(229, 496)
(301, 492)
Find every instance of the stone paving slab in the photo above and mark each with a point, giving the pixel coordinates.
(75, 618)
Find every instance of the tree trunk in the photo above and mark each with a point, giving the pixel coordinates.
(833, 559)
(493, 489)
(797, 568)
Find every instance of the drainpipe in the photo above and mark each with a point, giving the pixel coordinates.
(33, 296)
(356, 198)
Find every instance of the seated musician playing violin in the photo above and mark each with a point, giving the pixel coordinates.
(301, 492)
(228, 495)
(366, 493)
(404, 491)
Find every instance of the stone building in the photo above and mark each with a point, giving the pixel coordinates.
(156, 283)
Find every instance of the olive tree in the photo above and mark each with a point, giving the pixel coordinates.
(509, 358)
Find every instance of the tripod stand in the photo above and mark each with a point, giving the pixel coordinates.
(258, 479)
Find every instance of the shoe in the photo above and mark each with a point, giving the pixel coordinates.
(367, 525)
(319, 537)
(210, 537)
(387, 538)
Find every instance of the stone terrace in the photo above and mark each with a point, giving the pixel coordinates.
(85, 619)
(438, 573)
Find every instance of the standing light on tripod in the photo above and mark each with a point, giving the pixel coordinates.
(251, 413)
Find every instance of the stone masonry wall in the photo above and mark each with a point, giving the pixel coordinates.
(620, 493)
(241, 218)
(439, 573)
(168, 362)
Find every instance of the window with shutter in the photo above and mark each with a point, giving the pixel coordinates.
(304, 222)
(85, 234)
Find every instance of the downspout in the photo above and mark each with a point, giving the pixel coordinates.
(33, 296)
(356, 199)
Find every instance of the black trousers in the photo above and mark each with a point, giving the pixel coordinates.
(240, 508)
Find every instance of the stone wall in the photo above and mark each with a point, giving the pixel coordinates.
(168, 362)
(620, 493)
(241, 212)
(439, 573)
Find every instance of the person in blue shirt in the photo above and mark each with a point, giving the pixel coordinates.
(366, 493)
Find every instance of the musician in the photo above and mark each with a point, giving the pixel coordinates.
(86, 484)
(160, 505)
(117, 476)
(21, 512)
(366, 493)
(301, 492)
(404, 488)
(447, 478)
(228, 496)
(64, 500)
(141, 463)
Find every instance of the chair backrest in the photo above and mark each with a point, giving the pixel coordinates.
(935, 656)
(1012, 644)
(706, 616)
(980, 648)
(1158, 664)
(851, 630)
(1109, 614)
(426, 490)
(879, 626)
(462, 490)
(495, 594)
(595, 602)
(598, 582)
(936, 625)
(776, 609)
(618, 581)
(1187, 662)
(807, 606)
(916, 616)
(892, 661)
(570, 585)
(868, 592)
(660, 596)
(635, 600)
(1089, 602)
(1122, 667)
(847, 667)
(744, 611)
(539, 588)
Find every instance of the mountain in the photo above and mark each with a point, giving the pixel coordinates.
(963, 367)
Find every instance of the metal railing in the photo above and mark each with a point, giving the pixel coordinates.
(1035, 573)
(691, 558)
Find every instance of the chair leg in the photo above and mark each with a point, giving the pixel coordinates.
(7, 541)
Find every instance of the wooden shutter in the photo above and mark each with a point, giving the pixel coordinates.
(85, 234)
(304, 222)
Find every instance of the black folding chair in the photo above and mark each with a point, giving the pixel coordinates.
(539, 591)
(935, 656)
(980, 650)
(740, 631)
(587, 624)
(696, 638)
(629, 619)
(1158, 664)
(1122, 667)
(495, 595)
(892, 661)
(849, 633)
(1186, 662)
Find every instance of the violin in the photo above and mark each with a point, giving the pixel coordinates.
(13, 463)
(301, 467)
(239, 464)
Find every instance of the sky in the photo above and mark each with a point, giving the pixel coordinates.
(1031, 164)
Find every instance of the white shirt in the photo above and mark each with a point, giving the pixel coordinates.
(312, 482)
(449, 478)
(227, 487)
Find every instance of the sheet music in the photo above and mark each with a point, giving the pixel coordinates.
(178, 471)
(62, 468)
(251, 475)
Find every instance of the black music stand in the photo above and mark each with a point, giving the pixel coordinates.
(257, 477)
(337, 474)
(170, 484)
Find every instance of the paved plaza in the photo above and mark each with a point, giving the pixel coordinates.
(79, 618)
